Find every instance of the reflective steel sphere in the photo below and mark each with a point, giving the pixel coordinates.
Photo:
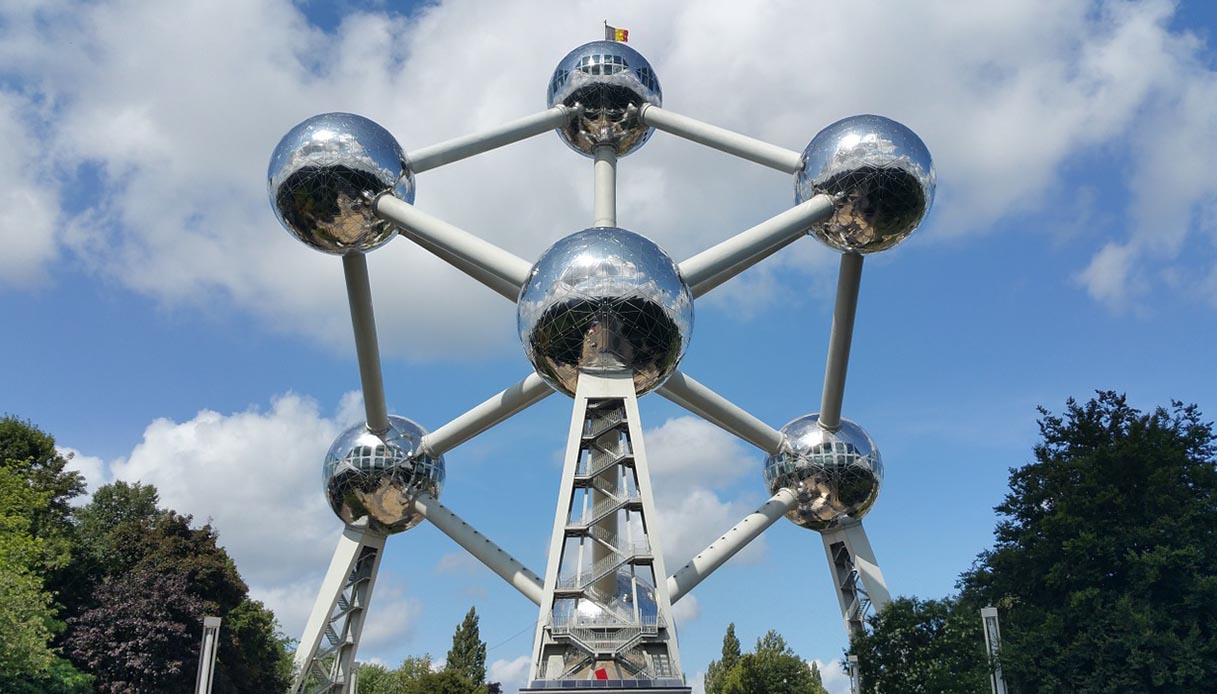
(836, 474)
(324, 175)
(373, 479)
(884, 175)
(610, 81)
(605, 300)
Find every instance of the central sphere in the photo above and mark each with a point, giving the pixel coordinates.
(610, 81)
(372, 479)
(836, 474)
(605, 300)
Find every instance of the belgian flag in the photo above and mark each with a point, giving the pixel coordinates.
(615, 34)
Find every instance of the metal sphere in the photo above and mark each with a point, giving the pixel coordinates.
(324, 175)
(373, 479)
(605, 300)
(836, 474)
(883, 174)
(609, 81)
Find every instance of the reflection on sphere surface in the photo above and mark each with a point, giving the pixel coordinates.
(373, 479)
(883, 175)
(605, 300)
(835, 474)
(324, 175)
(610, 81)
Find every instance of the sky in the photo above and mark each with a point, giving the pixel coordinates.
(162, 326)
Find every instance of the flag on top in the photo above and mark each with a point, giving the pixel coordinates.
(615, 34)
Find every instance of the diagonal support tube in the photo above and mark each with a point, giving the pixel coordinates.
(480, 547)
(460, 148)
(511, 401)
(709, 559)
(714, 408)
(363, 321)
(839, 339)
(717, 264)
(724, 140)
(483, 261)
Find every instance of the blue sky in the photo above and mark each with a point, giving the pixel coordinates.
(160, 323)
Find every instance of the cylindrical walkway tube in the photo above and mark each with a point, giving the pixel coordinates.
(604, 205)
(848, 282)
(359, 296)
(717, 264)
(435, 156)
(515, 399)
(725, 547)
(683, 390)
(480, 547)
(415, 224)
(722, 139)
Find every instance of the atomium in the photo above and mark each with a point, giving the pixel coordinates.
(605, 300)
(607, 82)
(372, 479)
(836, 475)
(882, 175)
(324, 175)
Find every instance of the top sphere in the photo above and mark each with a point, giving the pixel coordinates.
(605, 300)
(883, 174)
(836, 474)
(373, 479)
(324, 175)
(610, 81)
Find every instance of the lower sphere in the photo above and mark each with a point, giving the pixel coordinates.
(372, 479)
(836, 475)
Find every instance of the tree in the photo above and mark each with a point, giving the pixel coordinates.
(28, 661)
(468, 653)
(717, 670)
(773, 668)
(134, 553)
(141, 636)
(1105, 561)
(926, 646)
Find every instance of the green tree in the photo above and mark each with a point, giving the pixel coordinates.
(152, 577)
(444, 682)
(468, 653)
(773, 668)
(28, 661)
(923, 646)
(1105, 561)
(717, 670)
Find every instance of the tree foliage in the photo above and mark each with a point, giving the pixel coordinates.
(415, 676)
(923, 646)
(468, 653)
(772, 668)
(1105, 562)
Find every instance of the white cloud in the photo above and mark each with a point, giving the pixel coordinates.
(459, 563)
(390, 620)
(690, 459)
(688, 609)
(833, 676)
(92, 468)
(181, 132)
(254, 474)
(512, 674)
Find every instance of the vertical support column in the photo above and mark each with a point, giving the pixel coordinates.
(849, 280)
(363, 321)
(997, 683)
(604, 205)
(207, 655)
(607, 618)
(857, 579)
(325, 658)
